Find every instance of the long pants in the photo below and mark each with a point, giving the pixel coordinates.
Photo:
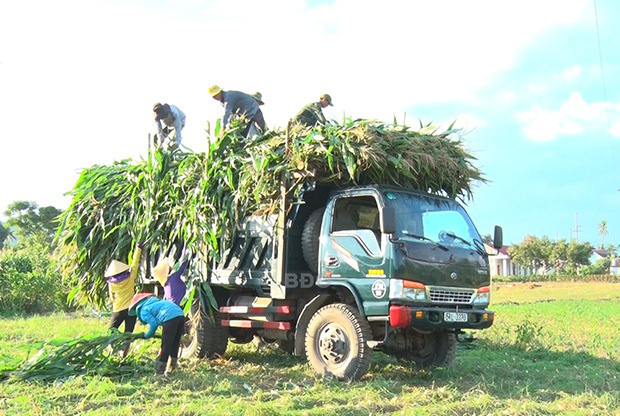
(171, 333)
(259, 120)
(123, 316)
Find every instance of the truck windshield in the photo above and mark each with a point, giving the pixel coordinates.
(433, 220)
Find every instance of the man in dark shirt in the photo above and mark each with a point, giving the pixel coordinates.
(312, 114)
(240, 103)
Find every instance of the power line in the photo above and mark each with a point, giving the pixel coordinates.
(600, 56)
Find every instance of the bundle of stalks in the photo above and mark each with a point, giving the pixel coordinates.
(81, 356)
(199, 198)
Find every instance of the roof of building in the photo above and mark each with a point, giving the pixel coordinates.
(493, 252)
(601, 252)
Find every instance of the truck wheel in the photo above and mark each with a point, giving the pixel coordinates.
(436, 349)
(336, 342)
(203, 337)
(310, 239)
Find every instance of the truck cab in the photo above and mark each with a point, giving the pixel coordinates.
(355, 270)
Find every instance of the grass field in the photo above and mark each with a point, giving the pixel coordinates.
(542, 356)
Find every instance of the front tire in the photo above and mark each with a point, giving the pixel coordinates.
(337, 342)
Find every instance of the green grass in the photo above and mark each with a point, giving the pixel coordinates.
(555, 357)
(544, 291)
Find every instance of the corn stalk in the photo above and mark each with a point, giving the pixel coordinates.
(199, 198)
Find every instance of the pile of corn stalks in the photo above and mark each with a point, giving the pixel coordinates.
(81, 356)
(198, 198)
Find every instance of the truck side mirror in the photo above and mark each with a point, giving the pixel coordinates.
(388, 220)
(498, 238)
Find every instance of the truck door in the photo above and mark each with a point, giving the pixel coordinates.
(353, 250)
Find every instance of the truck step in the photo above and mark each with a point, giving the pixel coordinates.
(256, 310)
(243, 323)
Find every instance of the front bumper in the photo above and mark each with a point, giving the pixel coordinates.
(402, 316)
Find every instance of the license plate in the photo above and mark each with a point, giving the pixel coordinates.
(455, 317)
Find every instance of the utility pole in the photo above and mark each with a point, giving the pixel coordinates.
(576, 228)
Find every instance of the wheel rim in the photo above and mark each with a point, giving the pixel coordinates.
(334, 345)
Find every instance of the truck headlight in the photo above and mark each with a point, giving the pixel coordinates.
(407, 290)
(483, 296)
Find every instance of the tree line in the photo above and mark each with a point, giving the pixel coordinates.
(545, 255)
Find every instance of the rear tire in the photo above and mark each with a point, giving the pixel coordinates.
(204, 336)
(337, 342)
(310, 239)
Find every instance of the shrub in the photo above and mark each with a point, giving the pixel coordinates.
(29, 279)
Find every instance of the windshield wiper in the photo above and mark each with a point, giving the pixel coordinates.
(475, 246)
(421, 237)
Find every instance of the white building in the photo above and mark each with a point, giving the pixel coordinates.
(501, 264)
(615, 267)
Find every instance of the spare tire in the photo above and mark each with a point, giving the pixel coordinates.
(310, 239)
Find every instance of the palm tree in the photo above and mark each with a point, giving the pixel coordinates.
(602, 230)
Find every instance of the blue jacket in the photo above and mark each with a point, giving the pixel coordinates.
(240, 103)
(154, 312)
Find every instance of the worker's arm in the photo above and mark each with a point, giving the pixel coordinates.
(135, 263)
(320, 116)
(152, 322)
(160, 131)
(227, 113)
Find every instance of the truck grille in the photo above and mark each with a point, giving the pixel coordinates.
(443, 295)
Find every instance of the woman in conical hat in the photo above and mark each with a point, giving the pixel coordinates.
(160, 312)
(174, 287)
(121, 283)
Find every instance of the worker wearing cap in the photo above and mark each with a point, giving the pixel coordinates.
(258, 97)
(121, 283)
(170, 121)
(241, 104)
(312, 114)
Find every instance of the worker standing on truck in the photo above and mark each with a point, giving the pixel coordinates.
(160, 312)
(312, 114)
(170, 121)
(121, 283)
(241, 104)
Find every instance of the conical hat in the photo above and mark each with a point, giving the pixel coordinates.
(115, 267)
(137, 298)
(161, 271)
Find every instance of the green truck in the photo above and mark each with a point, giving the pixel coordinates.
(347, 272)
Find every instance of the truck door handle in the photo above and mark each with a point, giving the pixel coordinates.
(331, 261)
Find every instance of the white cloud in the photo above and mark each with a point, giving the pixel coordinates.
(573, 117)
(78, 78)
(571, 74)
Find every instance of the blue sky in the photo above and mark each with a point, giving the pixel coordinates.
(78, 79)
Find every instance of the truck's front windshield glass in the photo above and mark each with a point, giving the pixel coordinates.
(433, 220)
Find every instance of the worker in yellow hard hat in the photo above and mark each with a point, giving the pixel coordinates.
(242, 104)
(312, 114)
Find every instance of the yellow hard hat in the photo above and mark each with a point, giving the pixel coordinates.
(214, 90)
